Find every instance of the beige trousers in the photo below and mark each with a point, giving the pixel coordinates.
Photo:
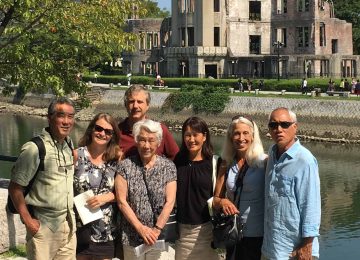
(195, 242)
(45, 244)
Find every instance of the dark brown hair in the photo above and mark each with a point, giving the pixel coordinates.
(199, 125)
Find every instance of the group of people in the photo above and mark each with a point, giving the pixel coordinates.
(138, 175)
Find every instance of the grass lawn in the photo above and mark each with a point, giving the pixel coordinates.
(13, 252)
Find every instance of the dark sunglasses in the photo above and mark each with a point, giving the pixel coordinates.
(99, 129)
(284, 125)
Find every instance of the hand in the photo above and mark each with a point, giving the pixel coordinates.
(228, 207)
(304, 252)
(96, 201)
(33, 226)
(149, 235)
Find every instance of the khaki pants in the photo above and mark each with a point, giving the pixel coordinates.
(46, 245)
(195, 242)
(153, 254)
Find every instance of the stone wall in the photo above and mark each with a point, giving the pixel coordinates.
(12, 231)
(313, 108)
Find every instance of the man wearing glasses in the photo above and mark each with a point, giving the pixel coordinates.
(292, 194)
(47, 210)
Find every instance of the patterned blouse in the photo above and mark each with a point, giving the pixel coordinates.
(157, 177)
(101, 180)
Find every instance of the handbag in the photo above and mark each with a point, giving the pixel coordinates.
(228, 229)
(170, 232)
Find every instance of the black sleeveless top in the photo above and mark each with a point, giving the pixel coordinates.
(194, 188)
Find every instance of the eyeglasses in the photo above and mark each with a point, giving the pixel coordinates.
(284, 125)
(99, 129)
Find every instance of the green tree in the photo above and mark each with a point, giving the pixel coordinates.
(153, 11)
(348, 10)
(45, 43)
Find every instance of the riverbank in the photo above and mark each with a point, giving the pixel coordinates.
(322, 121)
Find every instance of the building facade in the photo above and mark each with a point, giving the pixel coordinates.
(241, 38)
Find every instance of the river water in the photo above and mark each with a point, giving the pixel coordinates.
(339, 175)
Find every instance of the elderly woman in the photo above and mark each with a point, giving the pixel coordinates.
(95, 166)
(145, 189)
(242, 173)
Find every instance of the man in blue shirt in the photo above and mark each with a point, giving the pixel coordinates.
(292, 194)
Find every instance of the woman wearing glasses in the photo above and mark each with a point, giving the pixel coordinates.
(242, 174)
(95, 167)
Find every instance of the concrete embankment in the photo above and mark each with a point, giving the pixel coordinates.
(319, 119)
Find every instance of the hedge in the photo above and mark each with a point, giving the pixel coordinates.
(290, 85)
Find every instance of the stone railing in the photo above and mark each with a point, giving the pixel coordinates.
(12, 230)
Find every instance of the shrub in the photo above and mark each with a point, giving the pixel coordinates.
(206, 99)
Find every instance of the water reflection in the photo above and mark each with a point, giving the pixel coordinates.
(339, 173)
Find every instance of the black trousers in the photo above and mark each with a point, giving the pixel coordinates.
(248, 249)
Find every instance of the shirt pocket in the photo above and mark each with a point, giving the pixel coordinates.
(283, 186)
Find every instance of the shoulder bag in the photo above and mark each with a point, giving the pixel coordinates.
(227, 229)
(170, 232)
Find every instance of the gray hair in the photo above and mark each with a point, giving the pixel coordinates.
(136, 88)
(149, 126)
(59, 100)
(254, 154)
(291, 113)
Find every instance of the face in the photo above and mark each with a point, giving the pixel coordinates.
(137, 106)
(147, 143)
(194, 141)
(242, 138)
(282, 136)
(62, 121)
(102, 132)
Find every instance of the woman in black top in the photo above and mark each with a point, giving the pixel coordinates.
(194, 188)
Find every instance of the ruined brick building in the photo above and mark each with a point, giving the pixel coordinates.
(233, 38)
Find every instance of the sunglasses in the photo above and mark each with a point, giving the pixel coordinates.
(99, 129)
(284, 125)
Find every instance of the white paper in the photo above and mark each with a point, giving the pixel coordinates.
(143, 248)
(86, 214)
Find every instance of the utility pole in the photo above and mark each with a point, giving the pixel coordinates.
(277, 46)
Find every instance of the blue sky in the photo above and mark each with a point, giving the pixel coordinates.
(164, 3)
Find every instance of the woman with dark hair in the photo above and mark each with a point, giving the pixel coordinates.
(194, 188)
(95, 168)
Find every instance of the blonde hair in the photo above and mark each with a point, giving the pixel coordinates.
(255, 152)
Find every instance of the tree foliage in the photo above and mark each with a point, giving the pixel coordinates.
(153, 11)
(45, 43)
(348, 10)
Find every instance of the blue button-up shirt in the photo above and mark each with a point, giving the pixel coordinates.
(292, 202)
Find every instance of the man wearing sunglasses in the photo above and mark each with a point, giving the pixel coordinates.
(47, 210)
(292, 194)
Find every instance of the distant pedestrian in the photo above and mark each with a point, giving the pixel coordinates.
(357, 88)
(331, 86)
(353, 85)
(304, 88)
(240, 85)
(249, 85)
(342, 85)
(347, 85)
(261, 84)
